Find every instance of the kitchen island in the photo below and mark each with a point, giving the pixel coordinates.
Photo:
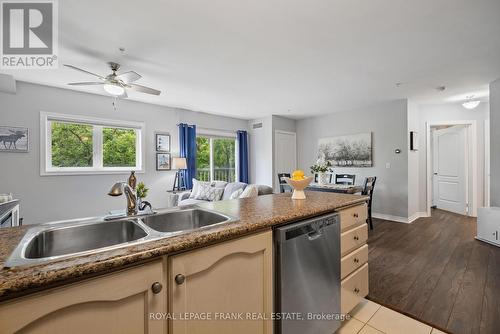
(216, 261)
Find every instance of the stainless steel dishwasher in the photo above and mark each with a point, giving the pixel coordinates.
(307, 276)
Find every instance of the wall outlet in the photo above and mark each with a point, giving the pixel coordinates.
(387, 165)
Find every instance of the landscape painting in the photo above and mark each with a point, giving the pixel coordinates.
(14, 139)
(347, 151)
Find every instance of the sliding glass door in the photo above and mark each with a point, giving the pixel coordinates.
(215, 158)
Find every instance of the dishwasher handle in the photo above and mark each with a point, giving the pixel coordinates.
(311, 227)
(314, 235)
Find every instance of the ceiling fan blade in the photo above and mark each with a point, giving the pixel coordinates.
(129, 77)
(84, 71)
(144, 89)
(85, 83)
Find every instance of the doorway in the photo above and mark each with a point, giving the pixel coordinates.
(452, 167)
(285, 156)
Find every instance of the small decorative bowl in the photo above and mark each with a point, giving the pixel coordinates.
(299, 186)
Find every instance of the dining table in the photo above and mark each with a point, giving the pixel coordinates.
(335, 188)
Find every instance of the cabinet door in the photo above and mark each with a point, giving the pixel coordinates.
(116, 303)
(227, 280)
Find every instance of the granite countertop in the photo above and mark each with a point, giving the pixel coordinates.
(255, 214)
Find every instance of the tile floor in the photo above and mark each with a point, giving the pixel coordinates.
(371, 318)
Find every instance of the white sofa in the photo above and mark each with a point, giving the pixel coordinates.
(186, 199)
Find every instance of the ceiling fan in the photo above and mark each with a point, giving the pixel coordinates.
(116, 84)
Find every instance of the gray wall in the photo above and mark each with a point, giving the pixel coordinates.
(388, 124)
(48, 198)
(495, 142)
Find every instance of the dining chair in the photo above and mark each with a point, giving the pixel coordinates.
(347, 179)
(368, 188)
(284, 187)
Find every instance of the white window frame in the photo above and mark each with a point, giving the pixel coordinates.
(218, 134)
(46, 167)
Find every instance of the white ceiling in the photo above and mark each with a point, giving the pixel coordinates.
(298, 58)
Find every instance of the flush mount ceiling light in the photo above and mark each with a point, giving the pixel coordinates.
(470, 103)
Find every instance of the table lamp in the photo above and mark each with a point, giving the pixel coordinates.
(180, 164)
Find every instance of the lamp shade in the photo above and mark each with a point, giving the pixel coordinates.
(179, 163)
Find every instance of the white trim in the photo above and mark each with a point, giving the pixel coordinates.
(416, 216)
(46, 168)
(487, 172)
(275, 171)
(472, 143)
(399, 219)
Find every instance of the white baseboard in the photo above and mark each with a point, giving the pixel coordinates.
(399, 219)
(417, 215)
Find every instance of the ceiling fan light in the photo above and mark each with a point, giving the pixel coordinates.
(113, 89)
(470, 104)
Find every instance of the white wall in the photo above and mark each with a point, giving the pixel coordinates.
(261, 151)
(280, 124)
(450, 112)
(51, 198)
(388, 124)
(495, 142)
(261, 147)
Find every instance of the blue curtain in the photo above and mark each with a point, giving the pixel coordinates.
(187, 143)
(243, 155)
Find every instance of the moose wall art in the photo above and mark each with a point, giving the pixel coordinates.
(14, 139)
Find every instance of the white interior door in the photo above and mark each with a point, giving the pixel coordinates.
(285, 148)
(450, 169)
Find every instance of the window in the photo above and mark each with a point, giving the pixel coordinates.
(81, 145)
(215, 158)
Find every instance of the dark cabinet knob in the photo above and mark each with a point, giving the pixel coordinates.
(156, 287)
(356, 290)
(179, 279)
(356, 260)
(355, 215)
(356, 238)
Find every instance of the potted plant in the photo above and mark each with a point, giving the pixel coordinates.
(321, 168)
(142, 192)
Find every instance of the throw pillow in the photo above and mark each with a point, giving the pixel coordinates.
(208, 193)
(236, 194)
(250, 191)
(196, 185)
(231, 188)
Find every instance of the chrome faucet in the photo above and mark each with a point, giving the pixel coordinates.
(117, 190)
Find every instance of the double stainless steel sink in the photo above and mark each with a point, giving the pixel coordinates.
(52, 241)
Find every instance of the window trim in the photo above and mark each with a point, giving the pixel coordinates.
(217, 134)
(46, 167)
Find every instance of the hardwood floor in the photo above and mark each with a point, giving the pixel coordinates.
(434, 270)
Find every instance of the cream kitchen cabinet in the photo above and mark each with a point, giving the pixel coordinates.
(354, 252)
(116, 303)
(224, 282)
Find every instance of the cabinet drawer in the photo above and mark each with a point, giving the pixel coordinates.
(353, 261)
(353, 289)
(353, 239)
(353, 216)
